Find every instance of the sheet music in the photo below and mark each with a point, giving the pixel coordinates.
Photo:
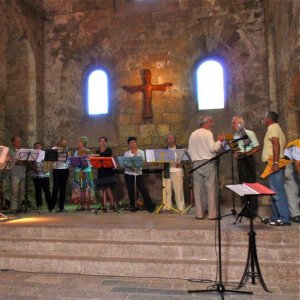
(242, 189)
(250, 189)
(8, 164)
(150, 156)
(160, 155)
(182, 155)
(131, 162)
(29, 155)
(3, 153)
(37, 155)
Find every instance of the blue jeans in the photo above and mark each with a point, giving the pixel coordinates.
(280, 206)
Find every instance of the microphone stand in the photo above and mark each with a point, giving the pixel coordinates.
(243, 136)
(219, 286)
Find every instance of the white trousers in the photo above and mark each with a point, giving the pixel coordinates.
(291, 186)
(175, 182)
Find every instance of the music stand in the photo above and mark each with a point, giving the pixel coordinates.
(51, 156)
(99, 162)
(28, 155)
(134, 163)
(162, 156)
(252, 263)
(79, 162)
(220, 288)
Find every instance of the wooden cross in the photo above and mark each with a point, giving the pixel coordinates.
(147, 87)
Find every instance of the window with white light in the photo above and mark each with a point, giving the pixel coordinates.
(97, 93)
(210, 85)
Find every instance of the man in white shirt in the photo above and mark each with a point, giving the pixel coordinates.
(202, 148)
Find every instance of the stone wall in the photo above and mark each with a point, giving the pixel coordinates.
(48, 48)
(3, 45)
(21, 73)
(168, 37)
(283, 22)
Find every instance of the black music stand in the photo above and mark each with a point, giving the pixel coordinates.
(252, 263)
(28, 156)
(51, 156)
(79, 162)
(162, 156)
(100, 162)
(219, 288)
(134, 163)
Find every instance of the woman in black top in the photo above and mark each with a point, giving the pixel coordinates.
(106, 180)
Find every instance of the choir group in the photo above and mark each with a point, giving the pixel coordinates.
(282, 169)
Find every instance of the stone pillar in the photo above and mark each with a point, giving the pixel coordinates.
(270, 39)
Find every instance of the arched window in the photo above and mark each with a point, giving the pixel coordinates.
(97, 92)
(210, 85)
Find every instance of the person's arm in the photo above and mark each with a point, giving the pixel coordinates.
(276, 152)
(215, 146)
(254, 150)
(254, 142)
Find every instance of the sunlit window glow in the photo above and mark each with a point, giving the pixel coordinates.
(210, 85)
(97, 93)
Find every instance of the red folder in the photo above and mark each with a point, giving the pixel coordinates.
(102, 162)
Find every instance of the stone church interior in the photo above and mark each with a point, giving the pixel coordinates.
(140, 71)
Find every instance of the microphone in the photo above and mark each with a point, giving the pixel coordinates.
(245, 137)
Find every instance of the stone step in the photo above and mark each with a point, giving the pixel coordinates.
(135, 249)
(230, 234)
(166, 268)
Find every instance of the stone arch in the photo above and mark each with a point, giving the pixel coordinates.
(21, 102)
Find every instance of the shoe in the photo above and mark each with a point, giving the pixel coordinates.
(80, 209)
(104, 209)
(88, 209)
(134, 209)
(151, 209)
(296, 219)
(279, 223)
(61, 211)
(199, 218)
(266, 220)
(114, 208)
